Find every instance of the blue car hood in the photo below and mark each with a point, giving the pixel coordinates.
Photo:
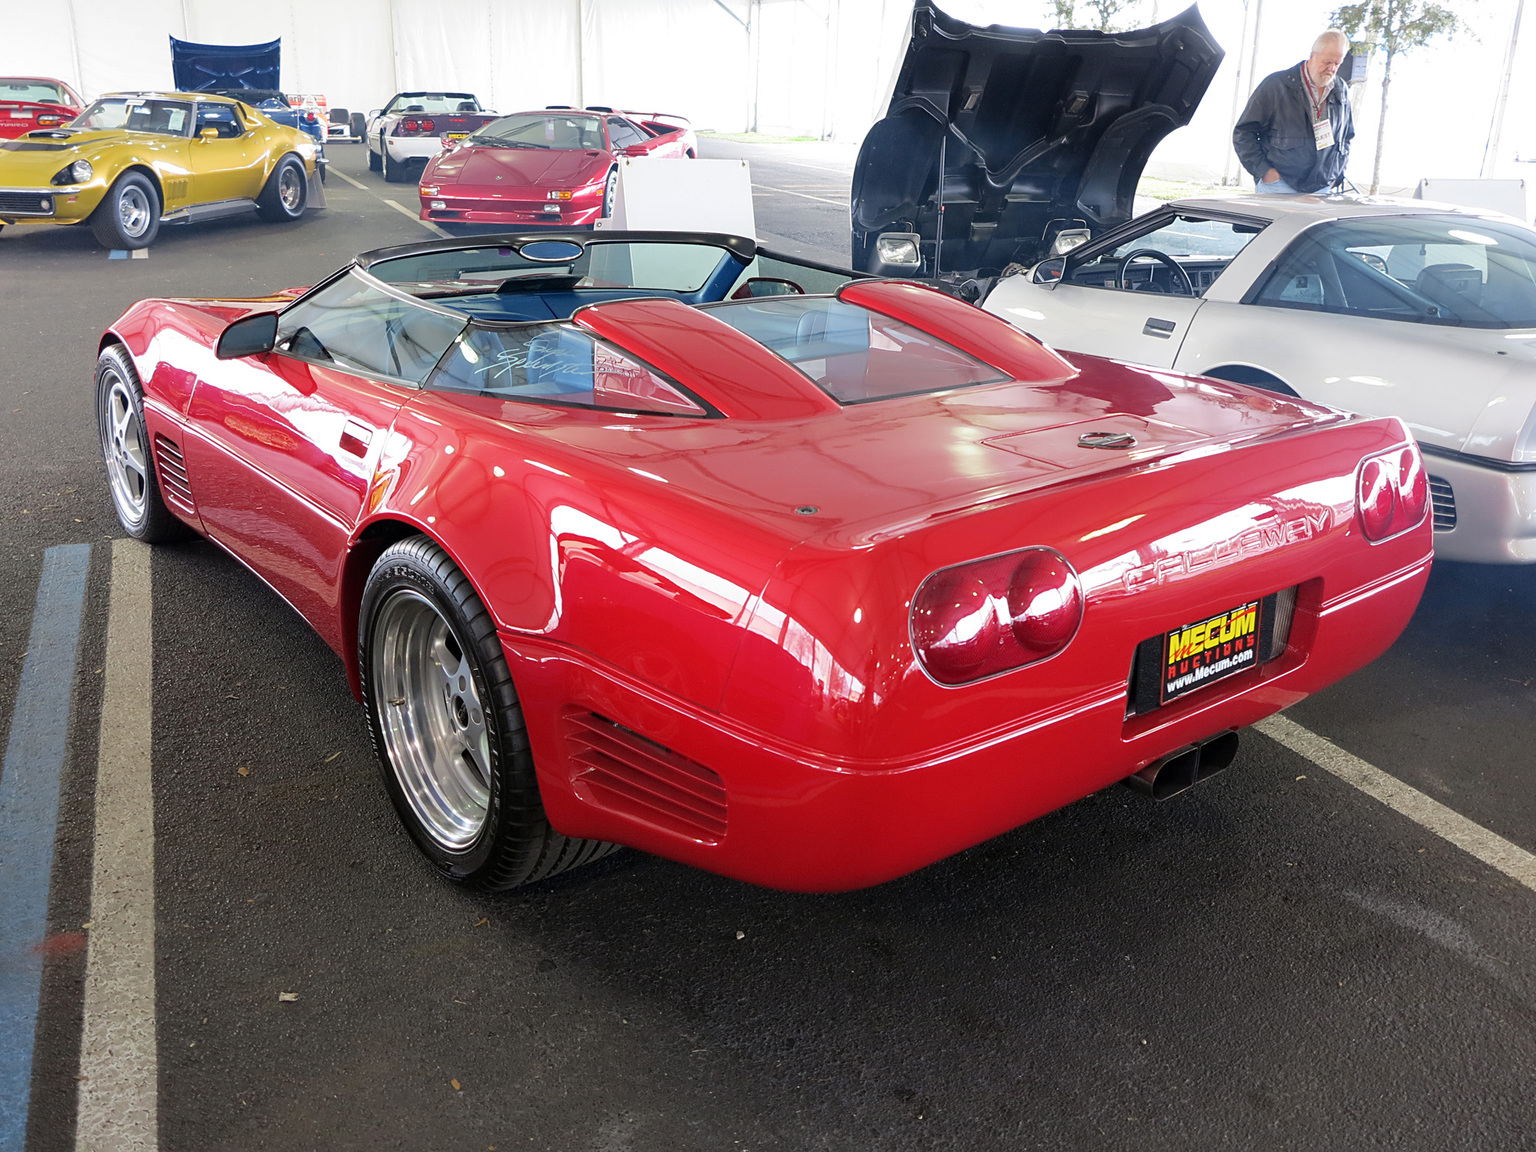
(206, 67)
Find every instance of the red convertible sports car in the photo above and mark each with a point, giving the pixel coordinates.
(808, 579)
(556, 166)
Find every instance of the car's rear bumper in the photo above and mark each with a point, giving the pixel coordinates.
(1483, 512)
(731, 799)
(403, 148)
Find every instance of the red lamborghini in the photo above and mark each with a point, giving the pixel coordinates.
(664, 540)
(557, 166)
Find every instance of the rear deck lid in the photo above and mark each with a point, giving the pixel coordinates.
(211, 67)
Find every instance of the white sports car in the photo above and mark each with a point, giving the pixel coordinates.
(1391, 308)
(410, 130)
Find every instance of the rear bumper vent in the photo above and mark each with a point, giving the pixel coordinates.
(1443, 501)
(623, 772)
(173, 473)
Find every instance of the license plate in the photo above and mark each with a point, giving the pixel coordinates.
(457, 135)
(1209, 650)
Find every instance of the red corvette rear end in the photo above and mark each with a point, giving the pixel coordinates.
(31, 102)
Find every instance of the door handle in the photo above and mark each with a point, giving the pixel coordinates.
(1162, 329)
(355, 437)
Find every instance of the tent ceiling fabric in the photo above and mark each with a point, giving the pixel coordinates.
(690, 57)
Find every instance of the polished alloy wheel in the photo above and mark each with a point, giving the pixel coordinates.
(290, 188)
(431, 719)
(122, 442)
(133, 211)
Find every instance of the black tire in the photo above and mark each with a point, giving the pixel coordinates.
(375, 164)
(135, 488)
(358, 125)
(416, 608)
(286, 193)
(610, 192)
(395, 172)
(129, 214)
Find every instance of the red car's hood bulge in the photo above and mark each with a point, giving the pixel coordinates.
(521, 167)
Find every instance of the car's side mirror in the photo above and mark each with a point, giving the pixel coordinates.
(635, 150)
(374, 113)
(207, 134)
(248, 336)
(767, 286)
(1049, 272)
(897, 254)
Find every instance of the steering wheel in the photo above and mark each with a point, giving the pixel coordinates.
(1180, 277)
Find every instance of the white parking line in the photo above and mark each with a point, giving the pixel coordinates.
(349, 180)
(427, 224)
(803, 195)
(118, 1063)
(1492, 849)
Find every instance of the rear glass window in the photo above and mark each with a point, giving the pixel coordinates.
(854, 354)
(560, 364)
(681, 268)
(33, 92)
(438, 102)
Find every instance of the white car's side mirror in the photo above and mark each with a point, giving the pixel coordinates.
(1049, 272)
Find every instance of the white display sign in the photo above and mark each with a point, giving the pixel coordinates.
(684, 196)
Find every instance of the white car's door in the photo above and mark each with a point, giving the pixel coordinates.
(1133, 296)
(1392, 316)
(1145, 327)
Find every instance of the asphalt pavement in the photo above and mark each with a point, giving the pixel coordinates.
(1272, 960)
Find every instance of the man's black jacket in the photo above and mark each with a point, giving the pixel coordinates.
(1275, 131)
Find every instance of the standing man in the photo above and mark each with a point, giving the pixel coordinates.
(1294, 134)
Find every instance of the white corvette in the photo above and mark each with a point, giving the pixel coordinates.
(1402, 308)
(410, 130)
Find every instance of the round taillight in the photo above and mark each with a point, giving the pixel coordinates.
(409, 125)
(428, 125)
(1412, 489)
(1045, 603)
(1377, 497)
(989, 616)
(955, 626)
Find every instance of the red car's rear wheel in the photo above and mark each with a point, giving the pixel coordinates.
(447, 726)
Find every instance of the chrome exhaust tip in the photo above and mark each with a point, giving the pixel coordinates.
(1185, 768)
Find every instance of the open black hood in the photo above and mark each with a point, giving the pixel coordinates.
(1036, 130)
(207, 67)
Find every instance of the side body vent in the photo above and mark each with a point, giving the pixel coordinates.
(623, 772)
(172, 471)
(1443, 500)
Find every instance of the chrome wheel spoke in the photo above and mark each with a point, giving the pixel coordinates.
(123, 449)
(431, 718)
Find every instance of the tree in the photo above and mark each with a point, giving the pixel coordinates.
(1393, 26)
(1103, 12)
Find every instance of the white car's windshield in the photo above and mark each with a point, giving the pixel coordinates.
(433, 102)
(138, 114)
(1423, 269)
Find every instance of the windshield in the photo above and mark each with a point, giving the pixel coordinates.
(461, 271)
(138, 114)
(853, 354)
(33, 91)
(531, 130)
(438, 102)
(1448, 270)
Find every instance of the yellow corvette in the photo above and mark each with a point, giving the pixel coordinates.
(133, 161)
